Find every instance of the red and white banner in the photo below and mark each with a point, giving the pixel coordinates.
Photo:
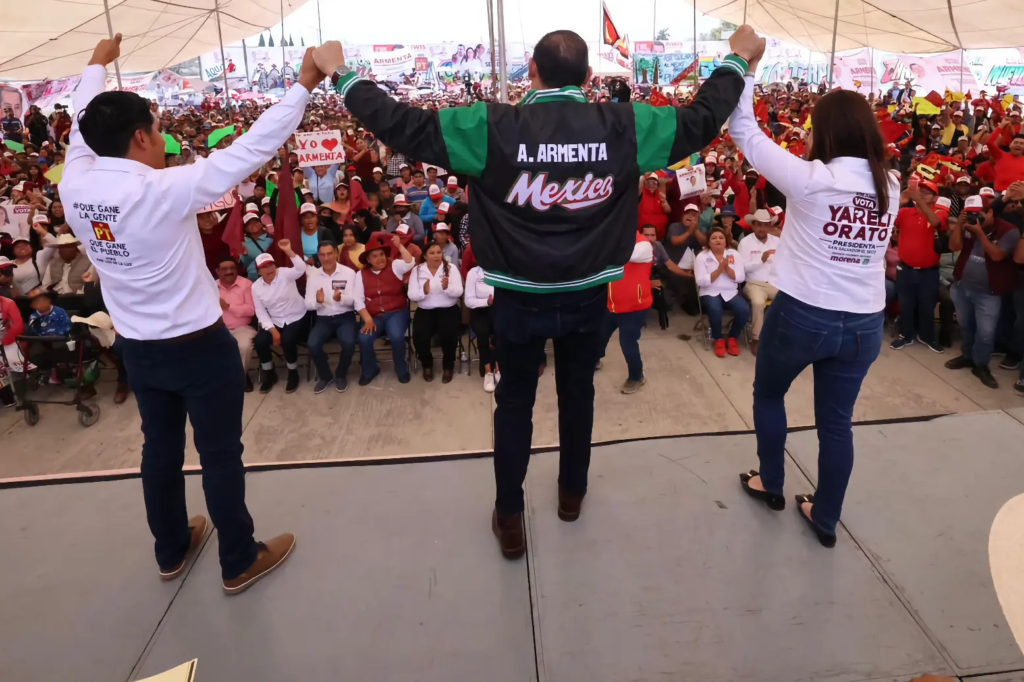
(222, 204)
(46, 93)
(320, 148)
(932, 72)
(130, 83)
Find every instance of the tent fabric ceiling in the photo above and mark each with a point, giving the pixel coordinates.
(55, 38)
(908, 26)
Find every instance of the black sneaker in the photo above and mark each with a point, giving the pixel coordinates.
(1011, 361)
(934, 346)
(293, 381)
(1018, 388)
(901, 342)
(403, 378)
(959, 362)
(985, 375)
(248, 383)
(321, 386)
(365, 380)
(269, 379)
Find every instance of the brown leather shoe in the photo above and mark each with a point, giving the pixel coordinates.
(509, 531)
(428, 373)
(446, 376)
(272, 554)
(121, 394)
(197, 524)
(569, 505)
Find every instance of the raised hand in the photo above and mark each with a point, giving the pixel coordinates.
(286, 246)
(747, 44)
(309, 74)
(106, 51)
(329, 57)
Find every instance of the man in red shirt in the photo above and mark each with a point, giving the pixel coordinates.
(1009, 166)
(917, 275)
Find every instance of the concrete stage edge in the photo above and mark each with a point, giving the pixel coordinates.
(672, 573)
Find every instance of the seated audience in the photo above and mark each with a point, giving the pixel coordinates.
(329, 290)
(452, 191)
(442, 237)
(237, 304)
(402, 215)
(256, 241)
(379, 299)
(64, 274)
(30, 266)
(312, 234)
(479, 299)
(719, 272)
(280, 310)
(436, 286)
(756, 251)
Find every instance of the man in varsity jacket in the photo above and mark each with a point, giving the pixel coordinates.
(553, 217)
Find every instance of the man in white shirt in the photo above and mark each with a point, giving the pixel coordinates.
(137, 220)
(329, 290)
(756, 251)
(280, 311)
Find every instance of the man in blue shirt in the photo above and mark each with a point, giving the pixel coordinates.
(321, 181)
(417, 192)
(12, 126)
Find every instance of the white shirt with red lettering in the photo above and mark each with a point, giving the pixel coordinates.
(832, 252)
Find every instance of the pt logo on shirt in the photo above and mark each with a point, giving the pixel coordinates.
(102, 231)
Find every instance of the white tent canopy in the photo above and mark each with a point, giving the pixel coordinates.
(54, 38)
(606, 67)
(909, 26)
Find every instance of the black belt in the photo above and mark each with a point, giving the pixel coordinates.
(930, 267)
(219, 324)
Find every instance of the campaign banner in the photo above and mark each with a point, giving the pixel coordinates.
(169, 80)
(854, 71)
(691, 181)
(937, 72)
(130, 83)
(222, 204)
(320, 148)
(46, 93)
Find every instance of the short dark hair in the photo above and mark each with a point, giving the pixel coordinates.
(327, 242)
(646, 226)
(227, 259)
(111, 119)
(562, 59)
(417, 172)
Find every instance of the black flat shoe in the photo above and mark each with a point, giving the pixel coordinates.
(826, 539)
(774, 502)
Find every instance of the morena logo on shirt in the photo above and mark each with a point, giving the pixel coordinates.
(574, 194)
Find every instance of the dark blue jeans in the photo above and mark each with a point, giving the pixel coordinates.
(200, 379)
(523, 322)
(977, 312)
(629, 326)
(715, 306)
(393, 326)
(840, 347)
(343, 327)
(918, 292)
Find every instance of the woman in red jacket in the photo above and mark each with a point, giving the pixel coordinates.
(11, 327)
(654, 207)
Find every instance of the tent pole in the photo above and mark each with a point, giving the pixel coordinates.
(654, 22)
(744, 11)
(696, 57)
(502, 67)
(110, 34)
(871, 63)
(284, 56)
(832, 59)
(245, 60)
(962, 72)
(494, 56)
(223, 58)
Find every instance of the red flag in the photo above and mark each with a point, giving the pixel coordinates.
(891, 130)
(286, 224)
(357, 200)
(234, 232)
(761, 111)
(612, 36)
(658, 99)
(935, 99)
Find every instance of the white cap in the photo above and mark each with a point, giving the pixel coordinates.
(20, 187)
(692, 207)
(711, 158)
(650, 176)
(936, 126)
(444, 207)
(250, 216)
(404, 165)
(263, 259)
(378, 169)
(265, 201)
(4, 260)
(441, 227)
(986, 192)
(40, 218)
(963, 178)
(984, 149)
(434, 191)
(920, 148)
(943, 202)
(252, 208)
(307, 208)
(402, 229)
(453, 181)
(973, 203)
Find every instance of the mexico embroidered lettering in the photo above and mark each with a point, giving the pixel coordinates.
(574, 194)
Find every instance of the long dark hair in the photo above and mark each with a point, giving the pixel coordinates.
(845, 126)
(444, 261)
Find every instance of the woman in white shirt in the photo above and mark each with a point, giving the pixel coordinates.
(830, 272)
(479, 299)
(436, 287)
(719, 272)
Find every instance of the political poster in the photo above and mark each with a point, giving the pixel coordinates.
(691, 181)
(320, 148)
(222, 204)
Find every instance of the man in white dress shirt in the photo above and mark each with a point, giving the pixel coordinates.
(756, 251)
(280, 311)
(329, 290)
(137, 221)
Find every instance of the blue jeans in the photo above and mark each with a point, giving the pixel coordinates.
(393, 326)
(840, 347)
(629, 326)
(343, 327)
(200, 379)
(918, 291)
(523, 322)
(977, 312)
(714, 306)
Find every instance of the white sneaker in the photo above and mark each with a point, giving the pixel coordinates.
(489, 382)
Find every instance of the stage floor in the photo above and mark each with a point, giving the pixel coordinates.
(671, 573)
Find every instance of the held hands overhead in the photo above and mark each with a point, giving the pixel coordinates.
(747, 44)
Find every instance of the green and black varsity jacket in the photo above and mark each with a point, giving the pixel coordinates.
(554, 191)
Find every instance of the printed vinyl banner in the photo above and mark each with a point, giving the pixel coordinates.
(321, 148)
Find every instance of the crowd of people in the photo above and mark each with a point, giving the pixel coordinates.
(386, 251)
